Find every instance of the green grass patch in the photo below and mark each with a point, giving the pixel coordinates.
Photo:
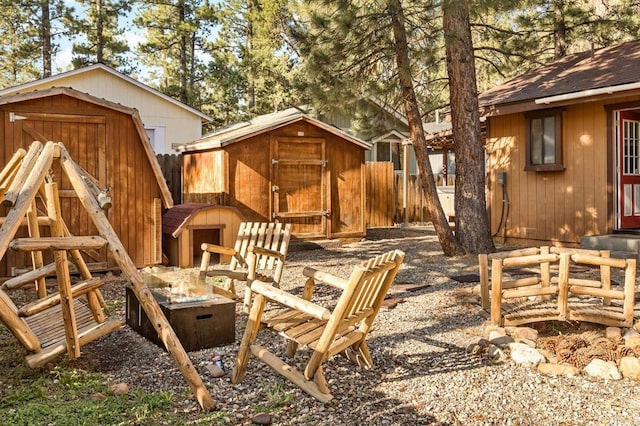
(65, 396)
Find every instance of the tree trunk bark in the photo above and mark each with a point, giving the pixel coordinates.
(450, 245)
(472, 221)
(99, 33)
(559, 30)
(183, 55)
(45, 30)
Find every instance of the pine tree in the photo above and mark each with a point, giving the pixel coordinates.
(102, 42)
(252, 59)
(19, 48)
(175, 33)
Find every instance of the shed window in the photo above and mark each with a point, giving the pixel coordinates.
(544, 141)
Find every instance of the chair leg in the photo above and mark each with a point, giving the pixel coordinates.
(292, 347)
(250, 334)
(246, 306)
(321, 381)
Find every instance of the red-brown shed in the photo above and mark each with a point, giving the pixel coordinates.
(286, 167)
(107, 140)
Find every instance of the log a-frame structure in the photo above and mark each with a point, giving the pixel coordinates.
(73, 316)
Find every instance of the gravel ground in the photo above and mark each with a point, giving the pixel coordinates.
(423, 374)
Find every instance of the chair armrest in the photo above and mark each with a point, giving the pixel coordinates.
(261, 251)
(290, 300)
(325, 278)
(212, 248)
(234, 275)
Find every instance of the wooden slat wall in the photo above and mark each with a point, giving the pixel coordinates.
(381, 198)
(125, 170)
(249, 178)
(171, 166)
(348, 188)
(553, 206)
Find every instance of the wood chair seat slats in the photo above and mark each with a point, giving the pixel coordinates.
(47, 325)
(341, 330)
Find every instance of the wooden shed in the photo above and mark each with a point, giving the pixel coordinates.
(107, 140)
(186, 226)
(286, 167)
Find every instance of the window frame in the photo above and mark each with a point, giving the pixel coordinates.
(558, 165)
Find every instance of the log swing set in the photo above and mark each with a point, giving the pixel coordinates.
(74, 315)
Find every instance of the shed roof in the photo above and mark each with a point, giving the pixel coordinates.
(608, 67)
(52, 79)
(151, 156)
(177, 217)
(239, 131)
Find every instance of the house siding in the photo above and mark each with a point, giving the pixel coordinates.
(558, 207)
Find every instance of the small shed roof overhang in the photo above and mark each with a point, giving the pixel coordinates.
(261, 124)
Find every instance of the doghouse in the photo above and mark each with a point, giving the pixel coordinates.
(109, 142)
(286, 167)
(186, 226)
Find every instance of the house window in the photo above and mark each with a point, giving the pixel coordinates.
(544, 141)
(389, 151)
(156, 138)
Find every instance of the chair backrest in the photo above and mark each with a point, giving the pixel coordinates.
(362, 297)
(271, 235)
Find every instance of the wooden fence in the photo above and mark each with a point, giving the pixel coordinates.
(384, 206)
(171, 166)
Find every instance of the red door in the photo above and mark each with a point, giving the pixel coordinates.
(629, 182)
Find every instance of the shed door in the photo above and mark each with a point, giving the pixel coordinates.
(629, 169)
(85, 139)
(299, 190)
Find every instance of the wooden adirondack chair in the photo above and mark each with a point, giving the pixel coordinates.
(327, 333)
(272, 238)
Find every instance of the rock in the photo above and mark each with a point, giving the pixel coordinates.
(630, 367)
(525, 355)
(119, 389)
(98, 396)
(496, 355)
(484, 343)
(494, 330)
(501, 341)
(631, 338)
(215, 370)
(606, 370)
(527, 342)
(613, 332)
(548, 369)
(261, 419)
(525, 333)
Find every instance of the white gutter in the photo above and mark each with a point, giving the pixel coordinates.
(587, 93)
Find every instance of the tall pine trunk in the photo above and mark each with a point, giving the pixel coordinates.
(472, 220)
(99, 32)
(45, 34)
(435, 212)
(184, 98)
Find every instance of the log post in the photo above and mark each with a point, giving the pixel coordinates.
(142, 292)
(62, 273)
(36, 256)
(15, 215)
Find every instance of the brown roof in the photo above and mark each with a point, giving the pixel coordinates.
(609, 66)
(177, 217)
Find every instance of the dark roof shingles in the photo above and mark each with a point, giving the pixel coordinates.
(609, 66)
